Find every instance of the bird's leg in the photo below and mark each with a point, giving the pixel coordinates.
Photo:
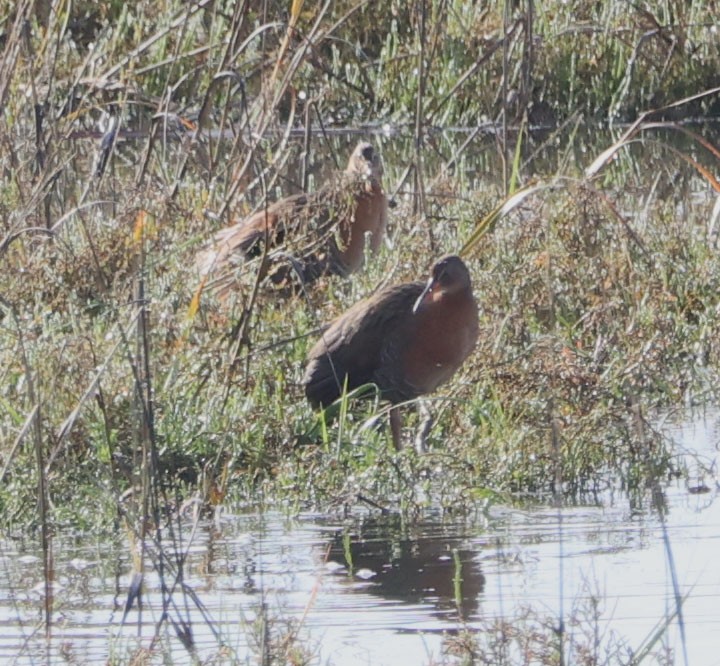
(396, 427)
(424, 428)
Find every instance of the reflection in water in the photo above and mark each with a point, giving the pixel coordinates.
(426, 563)
(378, 591)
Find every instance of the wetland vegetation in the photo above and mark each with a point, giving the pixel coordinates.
(131, 132)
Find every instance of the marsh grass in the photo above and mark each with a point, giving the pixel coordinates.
(132, 131)
(530, 638)
(598, 297)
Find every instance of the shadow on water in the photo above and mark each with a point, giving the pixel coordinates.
(428, 563)
(374, 590)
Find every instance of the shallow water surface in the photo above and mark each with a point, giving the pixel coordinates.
(371, 590)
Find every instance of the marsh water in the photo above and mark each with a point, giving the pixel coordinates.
(371, 590)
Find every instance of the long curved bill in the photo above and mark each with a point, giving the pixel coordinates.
(428, 288)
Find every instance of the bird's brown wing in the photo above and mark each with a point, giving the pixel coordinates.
(273, 224)
(361, 343)
(304, 223)
(244, 238)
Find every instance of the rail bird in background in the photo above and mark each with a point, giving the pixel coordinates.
(407, 339)
(323, 232)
